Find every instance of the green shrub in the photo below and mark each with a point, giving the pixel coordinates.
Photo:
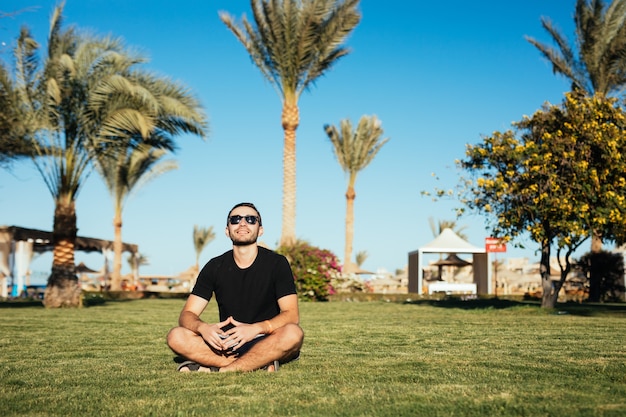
(313, 268)
(93, 299)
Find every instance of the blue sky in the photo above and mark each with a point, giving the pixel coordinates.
(437, 74)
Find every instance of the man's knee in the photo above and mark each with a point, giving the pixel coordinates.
(175, 338)
(292, 336)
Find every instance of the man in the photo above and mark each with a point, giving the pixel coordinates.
(258, 306)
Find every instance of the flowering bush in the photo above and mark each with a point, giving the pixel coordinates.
(313, 269)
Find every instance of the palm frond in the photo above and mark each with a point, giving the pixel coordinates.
(295, 42)
(202, 236)
(127, 170)
(355, 149)
(598, 65)
(360, 257)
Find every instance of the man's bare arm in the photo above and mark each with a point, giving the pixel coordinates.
(190, 315)
(289, 312)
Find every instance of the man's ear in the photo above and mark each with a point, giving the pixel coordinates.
(260, 231)
(226, 232)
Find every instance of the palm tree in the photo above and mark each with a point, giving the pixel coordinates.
(135, 260)
(599, 65)
(77, 100)
(125, 171)
(293, 44)
(202, 236)
(360, 258)
(354, 151)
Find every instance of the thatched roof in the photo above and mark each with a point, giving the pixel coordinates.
(42, 240)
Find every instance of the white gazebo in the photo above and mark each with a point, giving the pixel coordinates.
(450, 242)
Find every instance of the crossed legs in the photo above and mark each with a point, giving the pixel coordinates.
(282, 345)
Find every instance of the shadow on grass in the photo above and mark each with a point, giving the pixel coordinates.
(473, 304)
(93, 298)
(493, 303)
(578, 309)
(20, 303)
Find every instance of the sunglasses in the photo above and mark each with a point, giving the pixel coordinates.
(249, 219)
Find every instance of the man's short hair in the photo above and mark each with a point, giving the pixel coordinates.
(252, 206)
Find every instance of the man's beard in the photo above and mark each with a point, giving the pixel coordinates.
(243, 243)
(244, 240)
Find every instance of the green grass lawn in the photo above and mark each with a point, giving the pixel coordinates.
(359, 359)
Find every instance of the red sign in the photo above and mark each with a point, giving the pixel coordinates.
(493, 244)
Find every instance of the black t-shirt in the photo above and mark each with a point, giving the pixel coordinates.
(248, 295)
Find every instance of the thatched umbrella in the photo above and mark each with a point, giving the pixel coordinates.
(451, 260)
(82, 268)
(364, 272)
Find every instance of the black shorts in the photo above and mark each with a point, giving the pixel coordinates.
(246, 347)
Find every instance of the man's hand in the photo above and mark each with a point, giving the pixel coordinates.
(213, 334)
(241, 333)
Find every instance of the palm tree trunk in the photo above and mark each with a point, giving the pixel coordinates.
(290, 122)
(348, 265)
(63, 289)
(116, 275)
